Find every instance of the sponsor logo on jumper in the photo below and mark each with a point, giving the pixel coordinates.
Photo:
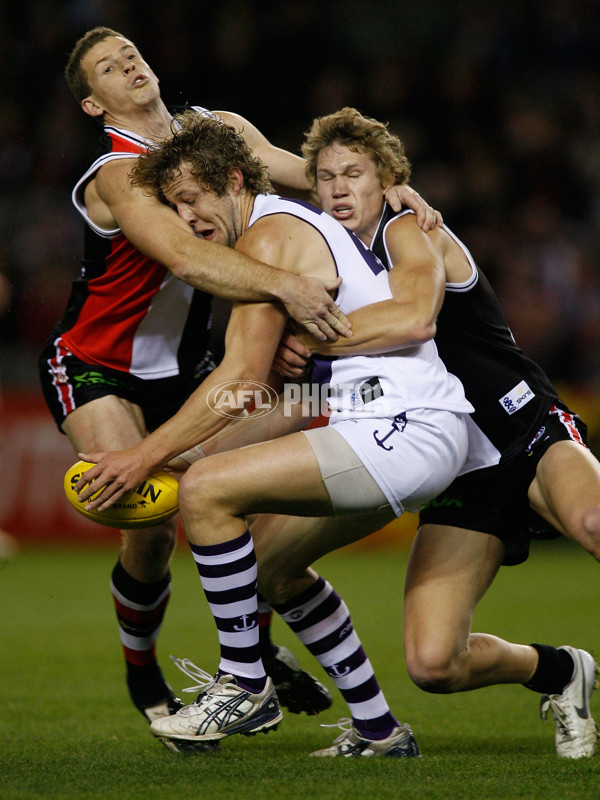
(516, 398)
(398, 425)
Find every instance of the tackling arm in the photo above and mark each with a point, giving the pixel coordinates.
(417, 281)
(284, 167)
(157, 231)
(251, 340)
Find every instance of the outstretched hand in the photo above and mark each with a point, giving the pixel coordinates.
(312, 306)
(112, 474)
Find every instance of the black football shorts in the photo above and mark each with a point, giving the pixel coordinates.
(68, 383)
(494, 500)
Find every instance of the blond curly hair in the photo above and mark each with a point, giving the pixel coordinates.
(361, 134)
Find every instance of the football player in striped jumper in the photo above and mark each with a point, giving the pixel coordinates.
(543, 480)
(133, 341)
(397, 435)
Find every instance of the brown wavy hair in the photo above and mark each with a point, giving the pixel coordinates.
(209, 148)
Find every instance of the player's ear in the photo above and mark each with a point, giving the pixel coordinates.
(91, 107)
(236, 179)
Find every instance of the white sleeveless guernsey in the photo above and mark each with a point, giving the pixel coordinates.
(413, 377)
(375, 400)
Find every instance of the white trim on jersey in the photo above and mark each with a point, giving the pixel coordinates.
(78, 192)
(134, 139)
(464, 286)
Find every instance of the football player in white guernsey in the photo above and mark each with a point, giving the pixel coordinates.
(132, 343)
(543, 478)
(397, 433)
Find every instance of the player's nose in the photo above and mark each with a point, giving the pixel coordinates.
(339, 186)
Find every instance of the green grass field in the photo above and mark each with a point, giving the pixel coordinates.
(67, 729)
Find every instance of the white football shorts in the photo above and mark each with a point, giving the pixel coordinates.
(400, 462)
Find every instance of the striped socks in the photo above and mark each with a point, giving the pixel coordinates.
(228, 575)
(320, 618)
(140, 610)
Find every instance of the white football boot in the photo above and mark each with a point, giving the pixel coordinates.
(576, 732)
(167, 708)
(222, 709)
(351, 744)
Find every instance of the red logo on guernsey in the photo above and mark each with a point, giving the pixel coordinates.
(568, 420)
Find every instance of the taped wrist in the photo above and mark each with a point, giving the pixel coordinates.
(193, 454)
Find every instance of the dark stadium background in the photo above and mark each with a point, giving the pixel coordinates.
(498, 104)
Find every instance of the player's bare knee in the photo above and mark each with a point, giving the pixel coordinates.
(433, 670)
(203, 492)
(590, 531)
(199, 489)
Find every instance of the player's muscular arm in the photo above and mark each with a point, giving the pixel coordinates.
(287, 241)
(417, 281)
(292, 243)
(250, 343)
(156, 230)
(284, 167)
(251, 340)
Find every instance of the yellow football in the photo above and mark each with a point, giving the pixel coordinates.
(153, 501)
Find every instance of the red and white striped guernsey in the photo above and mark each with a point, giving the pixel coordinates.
(126, 311)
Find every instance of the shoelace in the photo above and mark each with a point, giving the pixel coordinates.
(205, 681)
(561, 717)
(344, 724)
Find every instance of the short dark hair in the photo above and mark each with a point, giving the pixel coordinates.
(75, 75)
(361, 134)
(209, 148)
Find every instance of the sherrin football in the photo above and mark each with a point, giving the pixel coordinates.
(153, 501)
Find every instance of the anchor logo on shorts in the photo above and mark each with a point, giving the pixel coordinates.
(398, 426)
(244, 626)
